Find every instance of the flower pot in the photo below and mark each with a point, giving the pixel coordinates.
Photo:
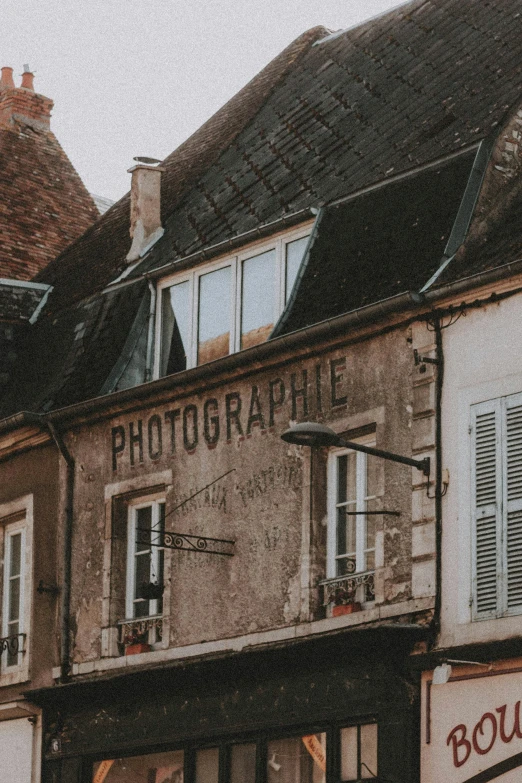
(346, 609)
(136, 649)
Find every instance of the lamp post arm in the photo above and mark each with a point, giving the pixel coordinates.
(420, 464)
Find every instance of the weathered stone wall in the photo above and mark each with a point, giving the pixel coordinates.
(265, 504)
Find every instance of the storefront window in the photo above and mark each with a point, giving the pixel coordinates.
(359, 752)
(152, 768)
(207, 765)
(243, 763)
(297, 759)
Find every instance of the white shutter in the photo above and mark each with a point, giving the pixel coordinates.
(487, 517)
(513, 501)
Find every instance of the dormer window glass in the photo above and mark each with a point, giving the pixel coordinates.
(227, 305)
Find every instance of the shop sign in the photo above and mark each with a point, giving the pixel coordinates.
(473, 729)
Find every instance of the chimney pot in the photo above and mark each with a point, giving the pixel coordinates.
(6, 80)
(27, 80)
(145, 216)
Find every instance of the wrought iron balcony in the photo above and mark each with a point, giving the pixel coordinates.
(12, 644)
(140, 629)
(349, 587)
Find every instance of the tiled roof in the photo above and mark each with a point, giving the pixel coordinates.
(43, 203)
(69, 358)
(367, 249)
(329, 118)
(320, 122)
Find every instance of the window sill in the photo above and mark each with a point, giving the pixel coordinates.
(238, 644)
(15, 675)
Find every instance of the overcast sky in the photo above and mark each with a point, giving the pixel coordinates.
(137, 77)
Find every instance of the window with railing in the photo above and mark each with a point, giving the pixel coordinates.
(351, 487)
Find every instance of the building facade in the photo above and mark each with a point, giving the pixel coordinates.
(335, 250)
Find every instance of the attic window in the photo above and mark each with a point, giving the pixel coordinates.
(226, 306)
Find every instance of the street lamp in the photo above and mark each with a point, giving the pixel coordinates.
(311, 434)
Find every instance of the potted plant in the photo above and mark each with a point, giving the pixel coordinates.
(151, 591)
(344, 602)
(136, 642)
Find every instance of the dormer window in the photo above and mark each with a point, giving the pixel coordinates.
(228, 305)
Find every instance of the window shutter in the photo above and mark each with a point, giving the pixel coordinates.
(513, 494)
(487, 519)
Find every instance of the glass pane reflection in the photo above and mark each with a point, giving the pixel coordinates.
(258, 299)
(297, 760)
(214, 317)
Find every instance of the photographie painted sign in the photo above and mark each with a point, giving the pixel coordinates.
(473, 729)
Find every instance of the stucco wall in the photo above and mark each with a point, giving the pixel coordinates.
(483, 361)
(266, 504)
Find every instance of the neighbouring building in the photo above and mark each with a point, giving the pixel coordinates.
(220, 604)
(43, 207)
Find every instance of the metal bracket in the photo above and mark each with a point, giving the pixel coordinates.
(187, 542)
(422, 360)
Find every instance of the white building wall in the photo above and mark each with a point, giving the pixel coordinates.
(483, 361)
(16, 751)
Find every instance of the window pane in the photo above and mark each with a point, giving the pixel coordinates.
(153, 768)
(13, 629)
(16, 548)
(297, 760)
(349, 753)
(294, 255)
(144, 524)
(175, 328)
(346, 481)
(14, 599)
(243, 764)
(142, 572)
(207, 765)
(214, 315)
(369, 750)
(257, 299)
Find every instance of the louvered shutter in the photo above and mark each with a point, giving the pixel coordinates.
(512, 490)
(487, 516)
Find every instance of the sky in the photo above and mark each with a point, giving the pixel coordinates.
(137, 77)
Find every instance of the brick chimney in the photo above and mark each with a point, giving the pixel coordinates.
(145, 217)
(22, 105)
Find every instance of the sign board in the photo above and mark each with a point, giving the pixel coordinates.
(472, 729)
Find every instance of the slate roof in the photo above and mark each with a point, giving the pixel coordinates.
(331, 116)
(44, 205)
(367, 249)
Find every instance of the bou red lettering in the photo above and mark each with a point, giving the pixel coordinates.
(479, 729)
(460, 745)
(516, 723)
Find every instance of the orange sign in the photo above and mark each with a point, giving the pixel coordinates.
(102, 771)
(316, 750)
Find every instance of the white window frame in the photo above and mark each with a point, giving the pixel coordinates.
(130, 584)
(11, 530)
(498, 510)
(235, 262)
(361, 500)
(17, 516)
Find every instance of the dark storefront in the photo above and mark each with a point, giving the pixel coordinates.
(339, 709)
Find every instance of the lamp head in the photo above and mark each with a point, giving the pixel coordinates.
(311, 434)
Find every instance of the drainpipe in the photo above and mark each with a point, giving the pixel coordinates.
(439, 355)
(65, 624)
